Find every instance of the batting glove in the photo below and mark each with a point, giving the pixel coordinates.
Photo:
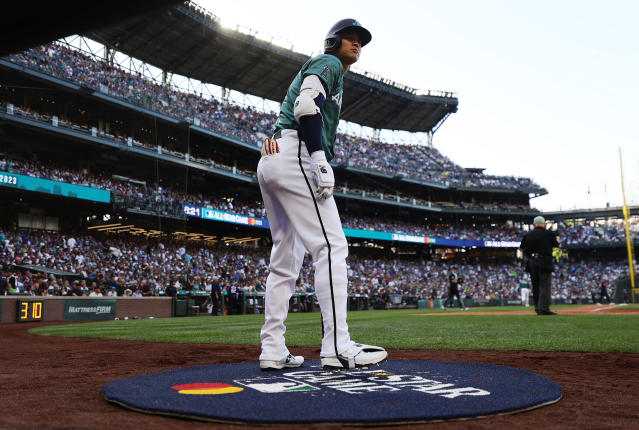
(322, 175)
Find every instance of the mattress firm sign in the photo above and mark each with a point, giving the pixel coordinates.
(90, 309)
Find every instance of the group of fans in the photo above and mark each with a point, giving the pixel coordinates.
(166, 200)
(248, 124)
(130, 265)
(141, 266)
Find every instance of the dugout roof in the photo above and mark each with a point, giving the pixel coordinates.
(189, 41)
(42, 269)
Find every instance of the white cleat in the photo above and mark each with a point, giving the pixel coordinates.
(288, 362)
(356, 357)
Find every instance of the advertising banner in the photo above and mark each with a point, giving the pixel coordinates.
(89, 309)
(47, 186)
(215, 215)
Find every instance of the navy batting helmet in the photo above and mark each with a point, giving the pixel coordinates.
(334, 40)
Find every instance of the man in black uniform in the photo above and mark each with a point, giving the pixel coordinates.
(216, 295)
(454, 281)
(4, 284)
(537, 247)
(604, 293)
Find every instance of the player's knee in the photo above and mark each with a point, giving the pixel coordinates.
(339, 249)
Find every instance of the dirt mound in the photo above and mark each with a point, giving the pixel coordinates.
(55, 382)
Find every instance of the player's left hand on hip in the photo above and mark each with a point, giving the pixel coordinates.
(322, 175)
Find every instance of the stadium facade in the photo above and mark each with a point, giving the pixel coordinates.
(89, 148)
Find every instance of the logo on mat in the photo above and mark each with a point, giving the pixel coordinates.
(207, 388)
(275, 385)
(358, 382)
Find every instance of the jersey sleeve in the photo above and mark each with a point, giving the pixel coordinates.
(328, 68)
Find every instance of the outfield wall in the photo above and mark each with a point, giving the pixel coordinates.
(25, 308)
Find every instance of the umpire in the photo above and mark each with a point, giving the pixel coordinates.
(537, 247)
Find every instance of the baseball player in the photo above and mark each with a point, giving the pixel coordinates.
(524, 287)
(296, 181)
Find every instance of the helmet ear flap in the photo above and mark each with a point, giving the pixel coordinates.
(332, 43)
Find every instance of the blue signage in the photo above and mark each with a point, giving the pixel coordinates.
(215, 215)
(14, 180)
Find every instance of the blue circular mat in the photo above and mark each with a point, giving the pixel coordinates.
(395, 392)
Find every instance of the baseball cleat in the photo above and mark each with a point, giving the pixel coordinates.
(288, 361)
(356, 357)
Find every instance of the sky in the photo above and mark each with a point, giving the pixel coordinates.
(547, 89)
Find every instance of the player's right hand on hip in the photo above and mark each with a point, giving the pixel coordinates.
(322, 175)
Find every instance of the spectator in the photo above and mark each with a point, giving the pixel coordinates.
(172, 290)
(4, 284)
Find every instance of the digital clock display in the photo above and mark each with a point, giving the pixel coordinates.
(30, 310)
(192, 211)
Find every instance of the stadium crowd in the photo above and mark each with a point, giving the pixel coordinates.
(168, 201)
(249, 125)
(137, 266)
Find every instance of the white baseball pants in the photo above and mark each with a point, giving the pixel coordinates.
(301, 223)
(525, 296)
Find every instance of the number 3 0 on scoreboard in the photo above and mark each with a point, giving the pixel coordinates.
(30, 310)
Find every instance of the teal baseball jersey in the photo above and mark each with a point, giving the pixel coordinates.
(523, 283)
(330, 72)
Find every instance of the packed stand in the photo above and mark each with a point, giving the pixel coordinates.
(592, 233)
(248, 124)
(129, 265)
(168, 201)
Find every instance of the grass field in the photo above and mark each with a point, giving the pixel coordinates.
(391, 329)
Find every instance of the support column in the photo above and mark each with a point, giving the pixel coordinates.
(225, 96)
(376, 134)
(109, 54)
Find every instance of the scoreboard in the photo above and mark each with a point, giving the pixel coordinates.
(30, 310)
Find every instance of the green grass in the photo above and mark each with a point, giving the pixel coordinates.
(391, 329)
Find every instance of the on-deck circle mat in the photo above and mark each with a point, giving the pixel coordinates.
(397, 391)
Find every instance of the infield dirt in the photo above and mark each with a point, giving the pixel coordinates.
(55, 383)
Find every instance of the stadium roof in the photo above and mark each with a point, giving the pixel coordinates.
(33, 24)
(609, 212)
(189, 41)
